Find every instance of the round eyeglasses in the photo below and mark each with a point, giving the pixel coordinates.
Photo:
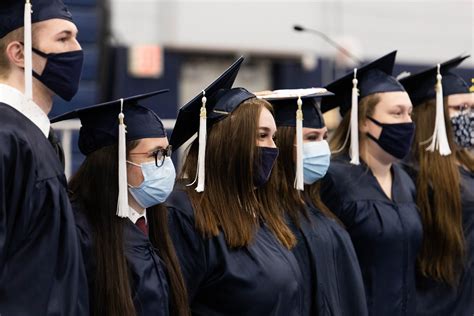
(158, 154)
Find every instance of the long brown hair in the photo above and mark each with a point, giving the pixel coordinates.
(230, 203)
(95, 188)
(293, 202)
(366, 107)
(465, 158)
(439, 200)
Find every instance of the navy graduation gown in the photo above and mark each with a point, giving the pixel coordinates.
(331, 274)
(41, 271)
(435, 298)
(261, 279)
(148, 279)
(386, 234)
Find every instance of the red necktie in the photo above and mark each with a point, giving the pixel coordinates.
(142, 225)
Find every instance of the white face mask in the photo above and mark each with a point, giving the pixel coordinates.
(316, 159)
(157, 184)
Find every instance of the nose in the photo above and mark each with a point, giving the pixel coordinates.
(76, 45)
(407, 118)
(272, 143)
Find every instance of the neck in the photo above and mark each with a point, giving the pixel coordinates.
(376, 158)
(42, 96)
(133, 204)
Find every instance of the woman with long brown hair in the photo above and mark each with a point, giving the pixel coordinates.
(331, 273)
(445, 189)
(131, 265)
(366, 188)
(232, 242)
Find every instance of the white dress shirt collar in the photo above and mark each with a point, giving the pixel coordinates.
(29, 109)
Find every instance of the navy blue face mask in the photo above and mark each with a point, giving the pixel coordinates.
(62, 72)
(264, 165)
(395, 138)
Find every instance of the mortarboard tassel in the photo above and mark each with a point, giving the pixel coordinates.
(28, 52)
(439, 140)
(201, 172)
(299, 179)
(122, 205)
(354, 128)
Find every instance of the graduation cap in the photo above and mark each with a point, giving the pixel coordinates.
(213, 104)
(436, 83)
(18, 13)
(104, 125)
(297, 108)
(421, 86)
(369, 79)
(12, 13)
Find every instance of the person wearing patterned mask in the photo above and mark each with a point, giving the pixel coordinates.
(445, 188)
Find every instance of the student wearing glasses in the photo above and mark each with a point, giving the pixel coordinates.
(131, 265)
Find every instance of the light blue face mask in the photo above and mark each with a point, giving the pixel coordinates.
(316, 158)
(157, 184)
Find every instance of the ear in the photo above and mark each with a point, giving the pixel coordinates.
(14, 52)
(364, 126)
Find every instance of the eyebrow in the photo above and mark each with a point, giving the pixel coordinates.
(157, 148)
(402, 106)
(68, 33)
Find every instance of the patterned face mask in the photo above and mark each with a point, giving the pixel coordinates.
(463, 126)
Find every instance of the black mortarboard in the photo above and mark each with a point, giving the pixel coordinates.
(12, 13)
(100, 124)
(213, 104)
(421, 86)
(220, 100)
(372, 78)
(285, 105)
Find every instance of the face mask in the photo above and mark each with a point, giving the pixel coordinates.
(62, 72)
(395, 139)
(463, 126)
(157, 184)
(316, 158)
(264, 165)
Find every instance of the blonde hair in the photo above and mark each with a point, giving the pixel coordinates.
(13, 36)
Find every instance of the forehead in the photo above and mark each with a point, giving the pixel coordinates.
(462, 98)
(54, 26)
(308, 130)
(394, 99)
(147, 144)
(266, 118)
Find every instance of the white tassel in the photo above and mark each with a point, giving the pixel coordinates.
(122, 205)
(201, 172)
(28, 53)
(439, 139)
(354, 148)
(299, 178)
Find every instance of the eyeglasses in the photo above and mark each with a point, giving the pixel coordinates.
(159, 155)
